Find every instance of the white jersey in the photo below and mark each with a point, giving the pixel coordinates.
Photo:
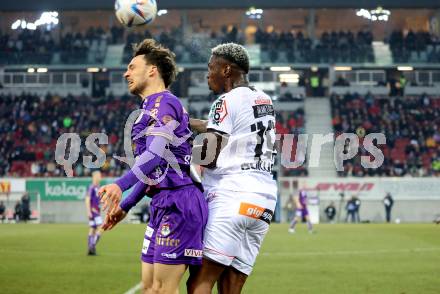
(245, 164)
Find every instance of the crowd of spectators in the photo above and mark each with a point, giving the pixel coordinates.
(292, 123)
(90, 47)
(411, 126)
(275, 47)
(39, 46)
(194, 47)
(414, 47)
(30, 126)
(330, 47)
(46, 47)
(34, 47)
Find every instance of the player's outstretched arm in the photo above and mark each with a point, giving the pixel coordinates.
(135, 196)
(146, 163)
(198, 125)
(156, 144)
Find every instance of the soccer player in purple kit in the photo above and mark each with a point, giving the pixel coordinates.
(174, 235)
(301, 211)
(93, 213)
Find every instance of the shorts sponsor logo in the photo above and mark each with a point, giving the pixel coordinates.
(167, 242)
(149, 231)
(165, 230)
(193, 253)
(169, 255)
(256, 212)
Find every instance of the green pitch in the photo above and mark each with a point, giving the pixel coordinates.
(349, 259)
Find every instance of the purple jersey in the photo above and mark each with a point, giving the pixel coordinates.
(161, 108)
(94, 200)
(303, 199)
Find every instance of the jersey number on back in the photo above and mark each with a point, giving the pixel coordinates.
(264, 139)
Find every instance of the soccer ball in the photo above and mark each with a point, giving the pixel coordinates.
(135, 12)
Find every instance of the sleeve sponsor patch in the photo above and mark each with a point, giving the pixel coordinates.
(219, 111)
(263, 110)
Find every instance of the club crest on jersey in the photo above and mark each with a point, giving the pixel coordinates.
(158, 172)
(219, 111)
(165, 230)
(153, 112)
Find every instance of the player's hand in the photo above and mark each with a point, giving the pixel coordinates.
(113, 218)
(300, 206)
(110, 196)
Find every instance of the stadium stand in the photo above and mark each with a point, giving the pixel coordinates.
(412, 144)
(414, 47)
(28, 136)
(42, 47)
(410, 125)
(331, 47)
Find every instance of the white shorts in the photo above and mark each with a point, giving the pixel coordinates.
(237, 224)
(95, 222)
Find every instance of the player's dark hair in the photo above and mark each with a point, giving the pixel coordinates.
(156, 54)
(234, 53)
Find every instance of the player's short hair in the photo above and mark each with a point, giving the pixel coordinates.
(160, 56)
(234, 53)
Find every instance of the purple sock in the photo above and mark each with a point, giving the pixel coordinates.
(96, 239)
(309, 226)
(293, 223)
(90, 241)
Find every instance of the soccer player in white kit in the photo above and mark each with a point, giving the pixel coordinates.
(239, 185)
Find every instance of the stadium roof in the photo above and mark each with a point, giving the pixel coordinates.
(44, 5)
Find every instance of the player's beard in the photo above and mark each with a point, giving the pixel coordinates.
(213, 90)
(135, 89)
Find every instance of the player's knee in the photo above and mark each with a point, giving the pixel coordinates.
(198, 287)
(147, 286)
(159, 287)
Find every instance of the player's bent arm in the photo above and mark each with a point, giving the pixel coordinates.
(207, 153)
(198, 125)
(135, 196)
(146, 162)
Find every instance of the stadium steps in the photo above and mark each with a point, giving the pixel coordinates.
(319, 121)
(382, 53)
(114, 55)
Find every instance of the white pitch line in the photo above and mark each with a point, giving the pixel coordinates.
(134, 289)
(351, 252)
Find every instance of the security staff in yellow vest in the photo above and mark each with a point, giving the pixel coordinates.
(314, 85)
